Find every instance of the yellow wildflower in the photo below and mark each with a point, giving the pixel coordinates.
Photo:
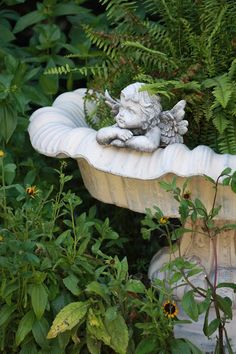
(170, 309)
(2, 153)
(31, 191)
(163, 220)
(1, 238)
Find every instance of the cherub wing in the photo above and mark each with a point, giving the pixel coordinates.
(172, 125)
(113, 104)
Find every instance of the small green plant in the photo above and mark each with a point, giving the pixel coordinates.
(179, 271)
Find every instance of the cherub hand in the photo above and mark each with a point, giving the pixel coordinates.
(124, 134)
(117, 143)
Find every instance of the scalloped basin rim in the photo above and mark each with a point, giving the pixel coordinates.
(54, 136)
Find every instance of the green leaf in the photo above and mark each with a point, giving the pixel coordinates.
(49, 84)
(146, 346)
(40, 329)
(8, 120)
(225, 304)
(30, 177)
(39, 299)
(220, 122)
(71, 283)
(94, 345)
(212, 327)
(135, 286)
(98, 289)
(67, 9)
(67, 318)
(9, 173)
(29, 19)
(228, 285)
(25, 326)
(189, 305)
(233, 182)
(119, 334)
(5, 313)
(201, 210)
(97, 329)
(226, 171)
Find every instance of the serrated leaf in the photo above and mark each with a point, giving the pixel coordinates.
(135, 286)
(71, 283)
(118, 331)
(220, 122)
(96, 328)
(67, 318)
(25, 326)
(98, 289)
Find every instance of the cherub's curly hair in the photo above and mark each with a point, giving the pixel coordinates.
(150, 104)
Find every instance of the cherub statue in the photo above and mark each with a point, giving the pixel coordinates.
(140, 122)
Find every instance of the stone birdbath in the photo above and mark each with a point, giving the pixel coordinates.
(123, 165)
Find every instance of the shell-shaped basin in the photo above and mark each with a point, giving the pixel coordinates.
(126, 177)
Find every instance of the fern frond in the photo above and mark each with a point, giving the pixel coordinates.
(223, 88)
(227, 141)
(59, 70)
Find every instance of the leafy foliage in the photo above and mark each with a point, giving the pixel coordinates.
(183, 49)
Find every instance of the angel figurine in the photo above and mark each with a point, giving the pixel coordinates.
(140, 122)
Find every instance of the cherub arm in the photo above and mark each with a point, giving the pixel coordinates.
(147, 143)
(108, 134)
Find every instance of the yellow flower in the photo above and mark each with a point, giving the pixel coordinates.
(32, 191)
(163, 220)
(1, 238)
(170, 309)
(2, 153)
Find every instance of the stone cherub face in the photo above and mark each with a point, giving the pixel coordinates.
(137, 109)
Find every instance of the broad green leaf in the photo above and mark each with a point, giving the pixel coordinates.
(8, 120)
(225, 304)
(6, 34)
(40, 329)
(25, 326)
(135, 286)
(97, 329)
(98, 289)
(226, 171)
(30, 177)
(9, 173)
(212, 327)
(71, 283)
(67, 9)
(146, 346)
(68, 317)
(49, 84)
(118, 331)
(28, 20)
(111, 313)
(93, 345)
(189, 305)
(39, 299)
(5, 313)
